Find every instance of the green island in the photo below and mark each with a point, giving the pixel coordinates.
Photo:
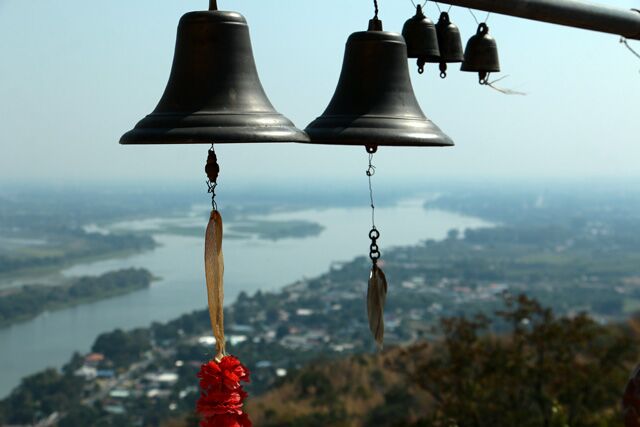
(263, 229)
(276, 230)
(27, 302)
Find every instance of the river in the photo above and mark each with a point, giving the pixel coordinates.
(251, 264)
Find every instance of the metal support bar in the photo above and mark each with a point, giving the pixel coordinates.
(571, 13)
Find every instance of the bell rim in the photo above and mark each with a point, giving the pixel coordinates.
(379, 144)
(205, 135)
(347, 131)
(456, 60)
(477, 69)
(348, 142)
(219, 127)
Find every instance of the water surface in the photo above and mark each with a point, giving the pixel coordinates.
(251, 264)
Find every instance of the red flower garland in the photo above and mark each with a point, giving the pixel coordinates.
(222, 396)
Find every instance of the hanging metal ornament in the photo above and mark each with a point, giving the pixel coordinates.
(481, 54)
(374, 105)
(450, 43)
(419, 33)
(214, 95)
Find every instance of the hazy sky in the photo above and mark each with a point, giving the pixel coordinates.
(75, 75)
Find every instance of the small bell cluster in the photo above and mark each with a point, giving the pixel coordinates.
(222, 395)
(441, 43)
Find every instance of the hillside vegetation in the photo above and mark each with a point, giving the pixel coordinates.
(545, 371)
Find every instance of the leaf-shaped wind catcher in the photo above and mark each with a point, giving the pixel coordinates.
(376, 298)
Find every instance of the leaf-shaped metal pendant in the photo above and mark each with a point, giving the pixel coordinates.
(214, 271)
(376, 298)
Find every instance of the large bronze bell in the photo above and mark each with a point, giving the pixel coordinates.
(419, 33)
(481, 54)
(214, 94)
(450, 43)
(374, 104)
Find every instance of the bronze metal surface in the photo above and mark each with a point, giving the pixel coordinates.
(481, 53)
(214, 94)
(419, 34)
(374, 103)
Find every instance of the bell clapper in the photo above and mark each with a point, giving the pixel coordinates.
(421, 62)
(443, 70)
(483, 77)
(212, 169)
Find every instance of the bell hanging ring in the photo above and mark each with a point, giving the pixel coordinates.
(419, 33)
(481, 54)
(449, 42)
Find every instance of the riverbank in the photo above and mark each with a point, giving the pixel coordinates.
(25, 303)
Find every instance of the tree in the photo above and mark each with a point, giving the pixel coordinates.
(548, 372)
(123, 348)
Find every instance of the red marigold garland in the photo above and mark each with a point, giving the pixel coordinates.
(222, 395)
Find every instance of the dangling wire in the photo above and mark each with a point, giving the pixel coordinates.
(440, 10)
(626, 43)
(476, 19)
(423, 4)
(375, 8)
(374, 234)
(371, 171)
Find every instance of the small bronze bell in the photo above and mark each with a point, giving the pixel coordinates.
(450, 43)
(374, 103)
(481, 54)
(214, 94)
(422, 41)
